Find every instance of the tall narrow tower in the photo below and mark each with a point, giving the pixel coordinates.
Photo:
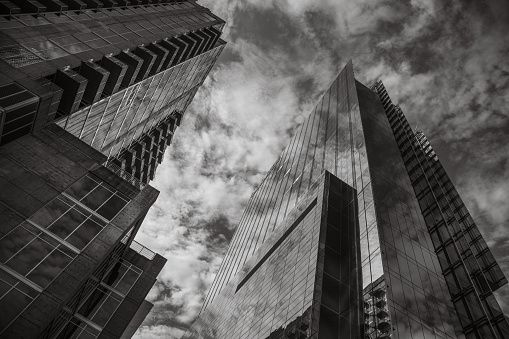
(340, 239)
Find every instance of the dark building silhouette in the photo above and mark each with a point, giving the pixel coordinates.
(69, 267)
(91, 93)
(355, 232)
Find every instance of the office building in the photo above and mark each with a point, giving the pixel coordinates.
(117, 74)
(69, 267)
(91, 93)
(355, 232)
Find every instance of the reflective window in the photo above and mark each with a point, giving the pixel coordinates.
(100, 306)
(69, 221)
(98, 196)
(15, 296)
(33, 254)
(79, 329)
(123, 276)
(73, 222)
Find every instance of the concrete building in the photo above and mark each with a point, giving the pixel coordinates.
(91, 93)
(355, 232)
(69, 266)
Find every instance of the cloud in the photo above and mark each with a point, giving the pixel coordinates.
(158, 331)
(445, 63)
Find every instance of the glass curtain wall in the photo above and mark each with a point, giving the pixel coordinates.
(348, 134)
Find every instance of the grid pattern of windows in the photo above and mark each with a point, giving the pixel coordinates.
(469, 268)
(101, 305)
(303, 282)
(112, 124)
(278, 296)
(97, 308)
(66, 325)
(79, 214)
(34, 254)
(84, 30)
(123, 276)
(83, 329)
(349, 135)
(330, 139)
(98, 196)
(42, 247)
(16, 295)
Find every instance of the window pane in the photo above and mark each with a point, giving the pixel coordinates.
(67, 223)
(30, 256)
(126, 281)
(4, 287)
(112, 207)
(81, 187)
(50, 213)
(105, 312)
(13, 242)
(82, 236)
(49, 268)
(94, 302)
(97, 197)
(17, 302)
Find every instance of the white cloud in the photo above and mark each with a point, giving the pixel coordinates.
(158, 331)
(244, 113)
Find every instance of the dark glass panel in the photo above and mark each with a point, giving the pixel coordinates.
(104, 313)
(30, 256)
(112, 207)
(330, 292)
(86, 232)
(4, 287)
(49, 213)
(127, 281)
(81, 188)
(49, 268)
(329, 324)
(97, 197)
(67, 223)
(17, 302)
(13, 242)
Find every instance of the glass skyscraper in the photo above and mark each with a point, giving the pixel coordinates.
(91, 93)
(116, 74)
(355, 232)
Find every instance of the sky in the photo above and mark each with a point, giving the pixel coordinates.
(444, 62)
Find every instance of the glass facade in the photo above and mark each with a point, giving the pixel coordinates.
(115, 122)
(405, 291)
(301, 282)
(466, 262)
(110, 71)
(52, 39)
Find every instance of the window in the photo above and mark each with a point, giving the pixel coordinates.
(98, 196)
(122, 277)
(79, 222)
(34, 254)
(15, 296)
(100, 306)
(69, 221)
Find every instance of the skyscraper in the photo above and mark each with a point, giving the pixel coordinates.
(116, 74)
(91, 93)
(69, 265)
(355, 232)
